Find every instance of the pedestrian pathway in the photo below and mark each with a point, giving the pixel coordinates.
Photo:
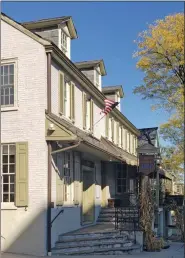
(176, 250)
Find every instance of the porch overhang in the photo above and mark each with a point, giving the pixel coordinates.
(54, 131)
(127, 157)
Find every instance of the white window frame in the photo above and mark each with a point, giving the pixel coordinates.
(123, 179)
(63, 46)
(68, 177)
(9, 174)
(13, 61)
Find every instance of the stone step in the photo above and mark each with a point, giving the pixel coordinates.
(91, 241)
(81, 246)
(107, 215)
(134, 248)
(80, 236)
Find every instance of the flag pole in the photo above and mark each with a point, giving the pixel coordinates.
(99, 120)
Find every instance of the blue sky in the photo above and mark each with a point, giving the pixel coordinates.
(106, 31)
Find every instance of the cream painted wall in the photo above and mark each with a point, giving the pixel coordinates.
(23, 231)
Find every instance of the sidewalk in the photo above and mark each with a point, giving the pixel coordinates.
(176, 250)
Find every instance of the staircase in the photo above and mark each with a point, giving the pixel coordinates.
(97, 240)
(107, 216)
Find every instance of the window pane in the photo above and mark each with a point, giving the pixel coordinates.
(12, 149)
(5, 69)
(7, 91)
(5, 198)
(11, 79)
(12, 188)
(1, 80)
(12, 159)
(11, 69)
(5, 168)
(2, 100)
(6, 100)
(5, 159)
(5, 188)
(5, 179)
(12, 180)
(5, 149)
(5, 79)
(11, 197)
(12, 169)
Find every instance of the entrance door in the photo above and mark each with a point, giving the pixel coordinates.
(88, 196)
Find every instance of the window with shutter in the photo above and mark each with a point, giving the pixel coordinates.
(91, 115)
(21, 179)
(107, 126)
(62, 93)
(112, 127)
(84, 110)
(72, 101)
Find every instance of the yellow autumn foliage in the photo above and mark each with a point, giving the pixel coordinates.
(160, 55)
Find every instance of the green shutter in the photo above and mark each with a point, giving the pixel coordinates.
(72, 101)
(21, 191)
(61, 92)
(117, 133)
(77, 173)
(84, 109)
(91, 114)
(112, 129)
(107, 126)
(59, 181)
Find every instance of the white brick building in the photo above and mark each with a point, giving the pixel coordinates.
(49, 104)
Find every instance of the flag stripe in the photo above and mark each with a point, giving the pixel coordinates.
(109, 106)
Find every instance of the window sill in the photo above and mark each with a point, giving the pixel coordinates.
(67, 118)
(8, 206)
(6, 109)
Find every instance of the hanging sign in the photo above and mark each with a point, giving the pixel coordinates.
(146, 164)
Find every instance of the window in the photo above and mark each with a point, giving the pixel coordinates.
(63, 42)
(7, 85)
(67, 176)
(121, 179)
(120, 136)
(107, 126)
(97, 78)
(112, 129)
(88, 113)
(128, 142)
(65, 98)
(8, 172)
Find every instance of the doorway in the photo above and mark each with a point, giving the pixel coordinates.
(88, 208)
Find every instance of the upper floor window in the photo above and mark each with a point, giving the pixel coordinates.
(88, 112)
(66, 97)
(63, 42)
(7, 85)
(97, 78)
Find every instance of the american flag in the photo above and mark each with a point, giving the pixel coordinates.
(109, 106)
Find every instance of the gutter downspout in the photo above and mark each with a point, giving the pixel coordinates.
(67, 148)
(49, 157)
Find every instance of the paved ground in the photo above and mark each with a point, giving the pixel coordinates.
(175, 251)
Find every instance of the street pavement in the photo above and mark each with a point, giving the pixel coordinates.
(176, 250)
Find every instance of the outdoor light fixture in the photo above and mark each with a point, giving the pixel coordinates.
(51, 127)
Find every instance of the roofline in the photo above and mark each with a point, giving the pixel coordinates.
(99, 62)
(27, 32)
(148, 128)
(114, 90)
(66, 63)
(44, 23)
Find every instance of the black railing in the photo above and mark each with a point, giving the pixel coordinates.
(127, 212)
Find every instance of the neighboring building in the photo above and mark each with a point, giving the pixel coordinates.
(149, 145)
(53, 157)
(178, 188)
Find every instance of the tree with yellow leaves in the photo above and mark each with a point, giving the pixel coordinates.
(161, 57)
